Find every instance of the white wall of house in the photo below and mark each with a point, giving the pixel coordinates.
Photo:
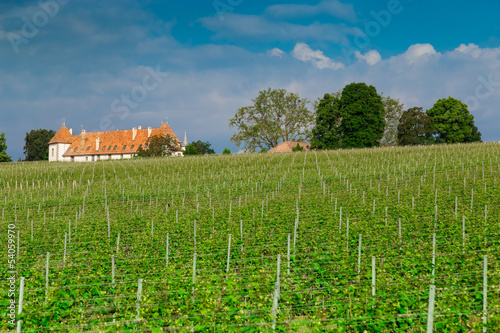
(56, 151)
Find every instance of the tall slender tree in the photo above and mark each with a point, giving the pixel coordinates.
(3, 149)
(393, 110)
(362, 116)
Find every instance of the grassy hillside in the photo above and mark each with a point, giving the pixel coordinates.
(160, 229)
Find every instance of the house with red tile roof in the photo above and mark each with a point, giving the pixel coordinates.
(287, 146)
(93, 146)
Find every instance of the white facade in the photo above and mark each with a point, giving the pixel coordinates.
(56, 151)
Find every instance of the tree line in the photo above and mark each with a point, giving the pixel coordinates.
(355, 117)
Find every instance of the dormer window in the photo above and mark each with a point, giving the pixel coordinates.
(74, 151)
(103, 148)
(114, 148)
(132, 147)
(124, 147)
(88, 148)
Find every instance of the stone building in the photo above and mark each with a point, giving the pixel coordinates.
(94, 146)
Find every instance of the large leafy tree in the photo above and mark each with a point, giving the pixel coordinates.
(326, 134)
(362, 116)
(191, 150)
(453, 122)
(3, 149)
(275, 116)
(393, 110)
(199, 148)
(159, 145)
(415, 128)
(36, 144)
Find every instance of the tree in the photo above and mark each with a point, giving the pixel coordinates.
(36, 144)
(159, 145)
(203, 147)
(3, 149)
(453, 122)
(326, 134)
(191, 150)
(393, 110)
(415, 128)
(276, 116)
(297, 148)
(362, 116)
(226, 151)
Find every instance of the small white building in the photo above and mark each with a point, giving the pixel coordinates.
(94, 146)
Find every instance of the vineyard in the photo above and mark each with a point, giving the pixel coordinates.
(375, 240)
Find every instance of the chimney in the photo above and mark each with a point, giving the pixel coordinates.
(134, 133)
(83, 139)
(71, 131)
(97, 144)
(149, 131)
(139, 127)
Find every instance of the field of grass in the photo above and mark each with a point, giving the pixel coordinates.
(248, 242)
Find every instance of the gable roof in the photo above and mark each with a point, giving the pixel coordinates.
(111, 142)
(63, 136)
(287, 146)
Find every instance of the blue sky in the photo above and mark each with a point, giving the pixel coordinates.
(107, 65)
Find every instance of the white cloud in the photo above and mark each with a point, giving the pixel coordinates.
(304, 53)
(275, 52)
(333, 8)
(252, 27)
(471, 49)
(371, 57)
(419, 52)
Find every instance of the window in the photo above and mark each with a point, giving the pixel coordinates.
(52, 152)
(74, 151)
(114, 148)
(146, 146)
(132, 147)
(86, 158)
(140, 146)
(124, 147)
(88, 148)
(109, 148)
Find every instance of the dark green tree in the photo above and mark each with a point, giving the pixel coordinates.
(191, 150)
(36, 144)
(159, 145)
(415, 128)
(203, 147)
(226, 151)
(453, 122)
(3, 149)
(362, 116)
(275, 116)
(326, 133)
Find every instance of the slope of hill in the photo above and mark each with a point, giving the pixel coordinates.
(342, 241)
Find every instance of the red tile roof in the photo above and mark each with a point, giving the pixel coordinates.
(112, 142)
(63, 136)
(287, 146)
